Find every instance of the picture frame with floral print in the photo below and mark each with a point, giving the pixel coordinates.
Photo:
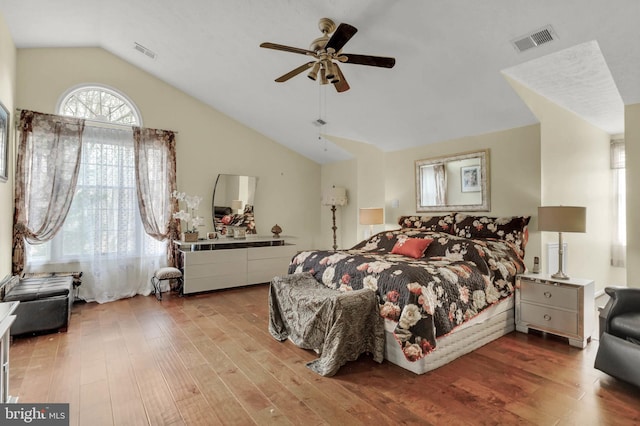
(471, 178)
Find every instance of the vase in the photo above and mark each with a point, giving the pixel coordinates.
(189, 237)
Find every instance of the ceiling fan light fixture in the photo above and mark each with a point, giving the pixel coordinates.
(328, 65)
(313, 74)
(323, 76)
(326, 52)
(336, 75)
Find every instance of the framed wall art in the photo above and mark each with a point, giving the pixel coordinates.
(470, 177)
(4, 143)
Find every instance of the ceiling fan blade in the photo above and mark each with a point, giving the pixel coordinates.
(294, 72)
(287, 48)
(341, 85)
(374, 61)
(340, 37)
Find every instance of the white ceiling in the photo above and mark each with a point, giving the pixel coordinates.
(447, 82)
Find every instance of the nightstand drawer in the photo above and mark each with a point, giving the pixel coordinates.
(549, 318)
(549, 295)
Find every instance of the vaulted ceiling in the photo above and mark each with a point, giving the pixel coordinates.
(447, 83)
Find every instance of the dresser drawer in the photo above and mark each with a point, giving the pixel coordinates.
(548, 318)
(550, 295)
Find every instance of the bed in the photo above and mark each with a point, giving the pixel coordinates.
(445, 283)
(223, 219)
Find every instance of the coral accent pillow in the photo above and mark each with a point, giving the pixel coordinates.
(412, 247)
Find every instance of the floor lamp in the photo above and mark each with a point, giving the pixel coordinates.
(562, 219)
(334, 197)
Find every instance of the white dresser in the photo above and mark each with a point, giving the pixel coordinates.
(228, 262)
(562, 307)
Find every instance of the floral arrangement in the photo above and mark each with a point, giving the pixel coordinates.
(189, 215)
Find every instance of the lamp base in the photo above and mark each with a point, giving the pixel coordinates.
(560, 276)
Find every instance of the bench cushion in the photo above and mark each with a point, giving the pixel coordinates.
(39, 288)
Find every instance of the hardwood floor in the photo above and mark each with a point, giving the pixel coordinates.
(209, 359)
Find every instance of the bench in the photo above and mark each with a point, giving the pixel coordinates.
(45, 302)
(339, 325)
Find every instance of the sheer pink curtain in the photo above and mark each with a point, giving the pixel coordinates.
(49, 151)
(155, 165)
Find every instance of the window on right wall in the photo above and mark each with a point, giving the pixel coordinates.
(619, 240)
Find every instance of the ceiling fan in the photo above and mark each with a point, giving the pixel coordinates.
(327, 53)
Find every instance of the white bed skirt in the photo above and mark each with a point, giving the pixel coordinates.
(492, 323)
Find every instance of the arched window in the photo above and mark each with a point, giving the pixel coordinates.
(103, 234)
(99, 103)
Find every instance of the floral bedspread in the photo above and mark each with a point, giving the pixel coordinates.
(428, 297)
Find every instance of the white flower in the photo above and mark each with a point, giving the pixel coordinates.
(192, 202)
(327, 277)
(448, 274)
(479, 299)
(410, 316)
(492, 294)
(370, 282)
(378, 266)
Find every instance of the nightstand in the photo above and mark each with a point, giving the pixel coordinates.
(562, 307)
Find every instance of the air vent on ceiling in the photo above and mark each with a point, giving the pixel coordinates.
(534, 39)
(140, 48)
(319, 122)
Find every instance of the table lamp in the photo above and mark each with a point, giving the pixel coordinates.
(562, 219)
(371, 216)
(236, 206)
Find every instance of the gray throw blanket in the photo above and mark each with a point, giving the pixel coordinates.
(338, 325)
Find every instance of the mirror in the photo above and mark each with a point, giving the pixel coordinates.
(233, 201)
(458, 182)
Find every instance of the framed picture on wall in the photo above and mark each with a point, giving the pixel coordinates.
(4, 143)
(470, 177)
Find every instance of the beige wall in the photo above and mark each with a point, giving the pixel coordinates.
(208, 142)
(514, 157)
(575, 172)
(382, 177)
(339, 174)
(369, 176)
(7, 97)
(632, 147)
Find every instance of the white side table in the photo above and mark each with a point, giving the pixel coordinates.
(561, 307)
(6, 319)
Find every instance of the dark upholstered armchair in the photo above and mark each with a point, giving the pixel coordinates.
(619, 351)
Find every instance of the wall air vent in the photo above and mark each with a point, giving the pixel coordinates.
(140, 48)
(319, 122)
(534, 39)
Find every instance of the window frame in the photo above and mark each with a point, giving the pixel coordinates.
(64, 98)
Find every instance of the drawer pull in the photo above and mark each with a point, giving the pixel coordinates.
(547, 317)
(547, 295)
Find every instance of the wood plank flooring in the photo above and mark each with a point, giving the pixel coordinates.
(209, 359)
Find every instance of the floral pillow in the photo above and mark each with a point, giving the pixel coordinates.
(428, 223)
(511, 228)
(384, 242)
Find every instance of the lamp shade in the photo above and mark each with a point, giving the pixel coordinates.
(236, 204)
(334, 196)
(372, 216)
(562, 219)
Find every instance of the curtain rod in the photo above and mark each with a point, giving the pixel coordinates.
(91, 123)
